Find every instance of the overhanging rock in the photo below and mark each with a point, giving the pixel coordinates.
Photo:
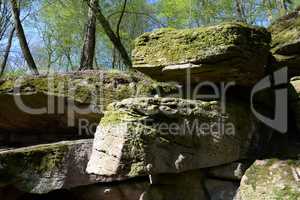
(223, 53)
(45, 109)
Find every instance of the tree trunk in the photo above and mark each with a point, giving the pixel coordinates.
(88, 51)
(118, 31)
(22, 38)
(240, 10)
(112, 36)
(7, 51)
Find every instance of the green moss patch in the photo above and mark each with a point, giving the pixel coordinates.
(169, 46)
(271, 179)
(37, 159)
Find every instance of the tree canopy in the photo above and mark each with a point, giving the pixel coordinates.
(57, 30)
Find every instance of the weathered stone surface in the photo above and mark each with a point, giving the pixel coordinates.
(222, 53)
(75, 99)
(44, 168)
(286, 42)
(271, 179)
(221, 190)
(168, 135)
(232, 171)
(187, 186)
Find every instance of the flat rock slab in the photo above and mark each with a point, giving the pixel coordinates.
(35, 108)
(144, 136)
(223, 53)
(271, 179)
(44, 168)
(286, 42)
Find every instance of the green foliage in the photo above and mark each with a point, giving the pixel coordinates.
(14, 73)
(194, 13)
(61, 24)
(64, 27)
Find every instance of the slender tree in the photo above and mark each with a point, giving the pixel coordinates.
(111, 34)
(240, 10)
(22, 38)
(5, 16)
(118, 31)
(7, 51)
(88, 50)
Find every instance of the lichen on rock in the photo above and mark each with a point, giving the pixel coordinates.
(271, 179)
(65, 99)
(44, 168)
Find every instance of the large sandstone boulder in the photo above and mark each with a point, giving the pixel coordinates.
(71, 104)
(44, 168)
(271, 179)
(223, 53)
(168, 135)
(286, 42)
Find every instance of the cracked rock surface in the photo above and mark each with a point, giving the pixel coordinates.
(168, 135)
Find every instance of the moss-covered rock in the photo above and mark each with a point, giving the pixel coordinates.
(86, 87)
(286, 42)
(271, 179)
(226, 52)
(168, 135)
(44, 168)
(66, 100)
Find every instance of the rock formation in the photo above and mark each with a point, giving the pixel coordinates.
(222, 53)
(143, 136)
(154, 140)
(61, 103)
